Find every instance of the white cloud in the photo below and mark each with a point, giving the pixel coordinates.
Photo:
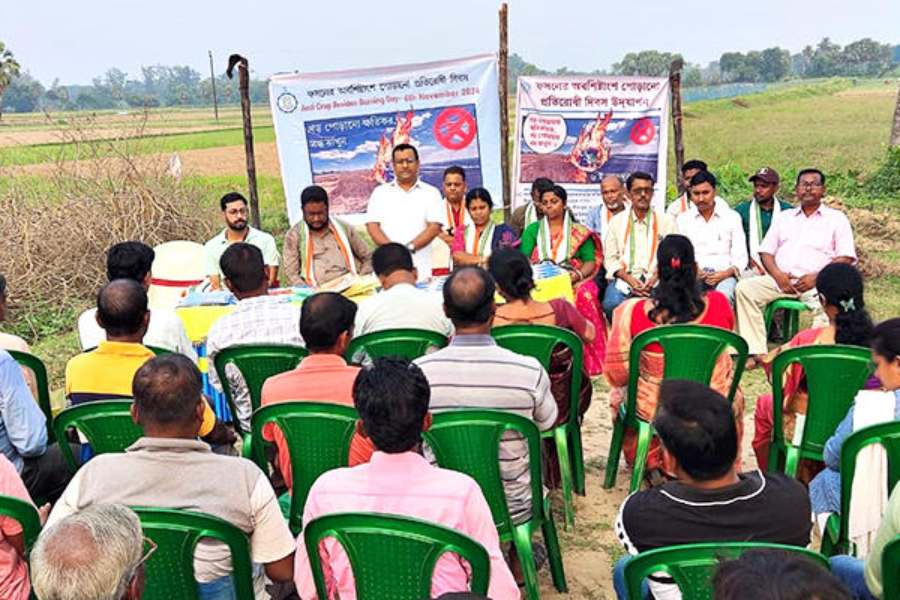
(435, 154)
(616, 125)
(365, 147)
(419, 120)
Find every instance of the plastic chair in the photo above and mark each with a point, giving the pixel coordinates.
(37, 367)
(539, 341)
(890, 570)
(170, 570)
(694, 350)
(158, 351)
(256, 362)
(392, 556)
(406, 343)
(25, 514)
(692, 565)
(836, 539)
(468, 441)
(107, 425)
(792, 308)
(834, 374)
(318, 437)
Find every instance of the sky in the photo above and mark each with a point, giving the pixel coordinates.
(76, 41)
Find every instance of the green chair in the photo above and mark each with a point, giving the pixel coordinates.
(792, 308)
(468, 441)
(693, 565)
(256, 363)
(392, 556)
(890, 570)
(539, 341)
(170, 570)
(25, 514)
(107, 425)
(406, 343)
(30, 361)
(691, 353)
(318, 436)
(834, 374)
(836, 539)
(159, 351)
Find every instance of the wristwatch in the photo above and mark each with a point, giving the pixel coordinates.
(411, 247)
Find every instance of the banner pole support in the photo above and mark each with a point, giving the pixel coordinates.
(504, 108)
(244, 87)
(675, 88)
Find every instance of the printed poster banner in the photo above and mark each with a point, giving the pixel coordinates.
(577, 130)
(337, 129)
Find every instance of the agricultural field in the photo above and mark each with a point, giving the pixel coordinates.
(840, 126)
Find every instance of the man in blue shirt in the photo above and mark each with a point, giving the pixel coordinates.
(23, 436)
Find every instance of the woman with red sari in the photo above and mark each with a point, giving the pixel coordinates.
(574, 247)
(677, 298)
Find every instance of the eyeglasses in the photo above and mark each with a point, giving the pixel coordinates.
(642, 192)
(809, 184)
(151, 548)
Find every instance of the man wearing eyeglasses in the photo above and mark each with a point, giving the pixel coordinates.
(407, 210)
(797, 246)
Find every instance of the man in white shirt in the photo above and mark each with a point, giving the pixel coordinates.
(683, 202)
(235, 212)
(401, 305)
(406, 210)
(133, 260)
(717, 235)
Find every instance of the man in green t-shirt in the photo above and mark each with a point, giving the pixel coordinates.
(758, 213)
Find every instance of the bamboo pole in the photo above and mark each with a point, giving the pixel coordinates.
(244, 87)
(504, 108)
(675, 87)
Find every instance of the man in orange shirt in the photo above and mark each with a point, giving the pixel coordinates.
(326, 324)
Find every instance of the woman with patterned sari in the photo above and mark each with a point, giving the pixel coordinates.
(574, 247)
(677, 298)
(474, 243)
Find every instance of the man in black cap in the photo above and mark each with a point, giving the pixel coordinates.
(758, 213)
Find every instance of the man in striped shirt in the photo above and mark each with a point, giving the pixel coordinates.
(474, 372)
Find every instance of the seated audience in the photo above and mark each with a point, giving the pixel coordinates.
(825, 489)
(683, 203)
(326, 324)
(615, 200)
(775, 575)
(97, 553)
(320, 248)
(133, 260)
(12, 342)
(710, 501)
(235, 213)
(676, 299)
(392, 398)
(170, 468)
(14, 584)
(630, 245)
(400, 304)
(459, 378)
(799, 244)
(473, 244)
(257, 319)
(759, 213)
(840, 288)
(716, 233)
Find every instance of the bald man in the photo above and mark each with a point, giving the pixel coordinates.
(615, 200)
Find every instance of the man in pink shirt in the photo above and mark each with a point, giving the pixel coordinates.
(392, 398)
(797, 246)
(14, 584)
(326, 325)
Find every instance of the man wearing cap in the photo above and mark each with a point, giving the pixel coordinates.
(758, 213)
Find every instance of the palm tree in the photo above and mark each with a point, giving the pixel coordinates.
(9, 69)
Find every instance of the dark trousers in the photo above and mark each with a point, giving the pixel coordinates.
(46, 476)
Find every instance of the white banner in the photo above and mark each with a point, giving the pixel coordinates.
(577, 130)
(337, 129)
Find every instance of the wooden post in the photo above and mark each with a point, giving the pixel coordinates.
(504, 109)
(675, 86)
(212, 79)
(895, 130)
(244, 87)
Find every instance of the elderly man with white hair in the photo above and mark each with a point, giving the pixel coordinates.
(94, 554)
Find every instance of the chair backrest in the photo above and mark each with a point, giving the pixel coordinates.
(690, 352)
(693, 565)
(539, 341)
(834, 374)
(392, 556)
(469, 441)
(37, 367)
(256, 362)
(170, 570)
(890, 570)
(25, 514)
(886, 435)
(159, 351)
(107, 425)
(407, 343)
(318, 436)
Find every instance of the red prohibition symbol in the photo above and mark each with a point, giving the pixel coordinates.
(642, 132)
(454, 128)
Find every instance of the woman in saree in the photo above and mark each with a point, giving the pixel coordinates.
(677, 298)
(474, 243)
(840, 288)
(558, 239)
